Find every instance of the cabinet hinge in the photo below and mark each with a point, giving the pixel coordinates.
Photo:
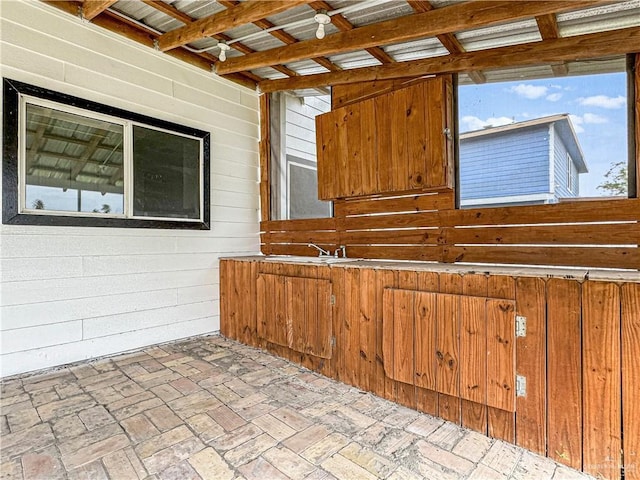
(521, 326)
(333, 299)
(521, 386)
(333, 342)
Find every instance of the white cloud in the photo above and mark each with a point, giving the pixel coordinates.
(554, 97)
(470, 123)
(593, 118)
(603, 101)
(529, 91)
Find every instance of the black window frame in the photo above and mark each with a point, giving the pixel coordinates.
(12, 91)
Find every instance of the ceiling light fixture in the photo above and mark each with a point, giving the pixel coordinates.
(322, 19)
(224, 48)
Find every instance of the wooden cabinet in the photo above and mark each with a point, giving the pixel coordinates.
(395, 142)
(295, 312)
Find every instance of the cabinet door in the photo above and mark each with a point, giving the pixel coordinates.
(295, 312)
(395, 142)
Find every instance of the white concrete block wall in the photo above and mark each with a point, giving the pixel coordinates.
(71, 293)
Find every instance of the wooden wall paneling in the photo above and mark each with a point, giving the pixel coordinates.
(386, 279)
(416, 131)
(353, 168)
(384, 143)
(240, 291)
(564, 372)
(367, 351)
(351, 326)
(407, 202)
(501, 354)
(501, 423)
(637, 124)
(404, 336)
(263, 304)
(631, 379)
(447, 343)
(368, 153)
(297, 295)
(473, 345)
(531, 410)
(426, 395)
(601, 379)
(450, 140)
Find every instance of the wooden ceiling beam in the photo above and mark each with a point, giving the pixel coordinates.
(593, 45)
(548, 27)
(448, 40)
(345, 25)
(460, 16)
(187, 19)
(146, 37)
(283, 36)
(92, 8)
(245, 12)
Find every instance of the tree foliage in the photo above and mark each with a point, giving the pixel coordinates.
(615, 180)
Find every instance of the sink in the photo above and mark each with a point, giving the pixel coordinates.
(314, 260)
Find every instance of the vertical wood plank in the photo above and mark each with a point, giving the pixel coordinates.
(416, 131)
(312, 343)
(369, 162)
(384, 279)
(425, 343)
(338, 349)
(247, 283)
(406, 390)
(352, 325)
(325, 148)
(436, 110)
(427, 398)
(399, 155)
(253, 334)
(388, 319)
(383, 143)
(278, 328)
(500, 354)
(367, 329)
(601, 379)
(631, 379)
(449, 405)
(339, 131)
(501, 423)
(473, 348)
(531, 361)
(403, 354)
(263, 301)
(225, 296)
(564, 372)
(354, 151)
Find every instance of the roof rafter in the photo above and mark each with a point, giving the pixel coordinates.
(442, 20)
(284, 37)
(245, 12)
(146, 37)
(548, 27)
(612, 42)
(345, 25)
(92, 8)
(449, 40)
(187, 19)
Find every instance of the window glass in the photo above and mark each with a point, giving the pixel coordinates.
(534, 141)
(73, 163)
(294, 166)
(166, 174)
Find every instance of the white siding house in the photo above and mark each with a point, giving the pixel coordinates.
(73, 293)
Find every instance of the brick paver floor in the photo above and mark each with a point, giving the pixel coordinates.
(211, 408)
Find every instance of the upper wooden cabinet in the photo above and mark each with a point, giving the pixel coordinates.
(396, 142)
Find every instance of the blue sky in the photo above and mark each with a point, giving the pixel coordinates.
(597, 105)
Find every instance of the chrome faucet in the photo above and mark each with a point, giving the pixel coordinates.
(342, 249)
(323, 252)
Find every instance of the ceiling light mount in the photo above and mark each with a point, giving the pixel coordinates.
(224, 48)
(322, 18)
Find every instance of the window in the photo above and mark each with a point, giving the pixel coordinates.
(69, 161)
(529, 136)
(294, 170)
